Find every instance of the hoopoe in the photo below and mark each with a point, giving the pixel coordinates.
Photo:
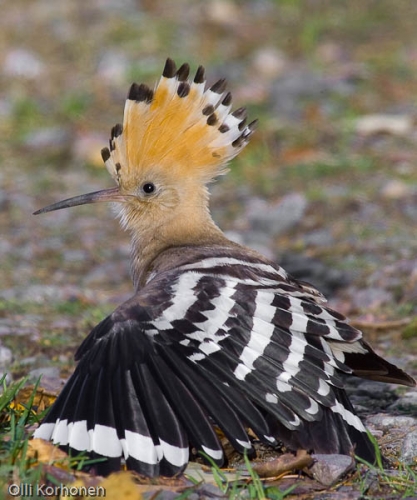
(215, 333)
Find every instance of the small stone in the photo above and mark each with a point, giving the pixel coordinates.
(222, 12)
(269, 62)
(328, 469)
(75, 255)
(23, 63)
(6, 357)
(408, 452)
(47, 138)
(292, 90)
(372, 298)
(209, 491)
(320, 238)
(113, 67)
(30, 360)
(274, 219)
(406, 403)
(387, 422)
(48, 371)
(6, 108)
(388, 124)
(396, 189)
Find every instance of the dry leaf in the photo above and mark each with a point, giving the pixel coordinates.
(121, 485)
(45, 452)
(282, 464)
(43, 399)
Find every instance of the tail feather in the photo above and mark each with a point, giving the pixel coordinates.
(371, 366)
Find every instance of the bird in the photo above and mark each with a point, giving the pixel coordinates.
(215, 335)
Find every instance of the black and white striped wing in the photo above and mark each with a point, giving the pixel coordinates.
(251, 329)
(218, 341)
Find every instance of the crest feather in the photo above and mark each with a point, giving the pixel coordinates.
(180, 126)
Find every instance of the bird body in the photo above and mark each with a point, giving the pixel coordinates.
(215, 333)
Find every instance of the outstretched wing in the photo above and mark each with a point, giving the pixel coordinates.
(224, 341)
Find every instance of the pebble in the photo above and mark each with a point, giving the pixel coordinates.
(6, 108)
(297, 86)
(388, 124)
(6, 358)
(408, 451)
(395, 189)
(327, 469)
(268, 63)
(388, 422)
(223, 13)
(372, 298)
(275, 218)
(321, 238)
(406, 403)
(23, 63)
(113, 67)
(47, 371)
(47, 138)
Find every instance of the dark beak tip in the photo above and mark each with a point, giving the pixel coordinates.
(105, 195)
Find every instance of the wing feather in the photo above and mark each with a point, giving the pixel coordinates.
(238, 344)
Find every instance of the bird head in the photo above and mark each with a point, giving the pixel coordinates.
(173, 141)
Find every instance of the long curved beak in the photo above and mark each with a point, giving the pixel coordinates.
(112, 194)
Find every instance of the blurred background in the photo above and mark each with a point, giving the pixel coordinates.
(328, 185)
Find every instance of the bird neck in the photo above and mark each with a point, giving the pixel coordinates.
(191, 229)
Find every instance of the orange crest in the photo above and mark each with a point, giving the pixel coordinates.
(180, 127)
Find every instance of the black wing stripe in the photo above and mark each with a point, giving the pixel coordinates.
(216, 406)
(248, 412)
(218, 367)
(193, 417)
(139, 448)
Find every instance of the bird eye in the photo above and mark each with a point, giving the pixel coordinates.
(148, 188)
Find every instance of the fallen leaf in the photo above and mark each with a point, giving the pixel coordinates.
(282, 464)
(45, 452)
(43, 398)
(121, 485)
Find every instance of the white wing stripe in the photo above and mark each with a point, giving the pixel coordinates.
(291, 364)
(217, 317)
(183, 298)
(231, 261)
(258, 342)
